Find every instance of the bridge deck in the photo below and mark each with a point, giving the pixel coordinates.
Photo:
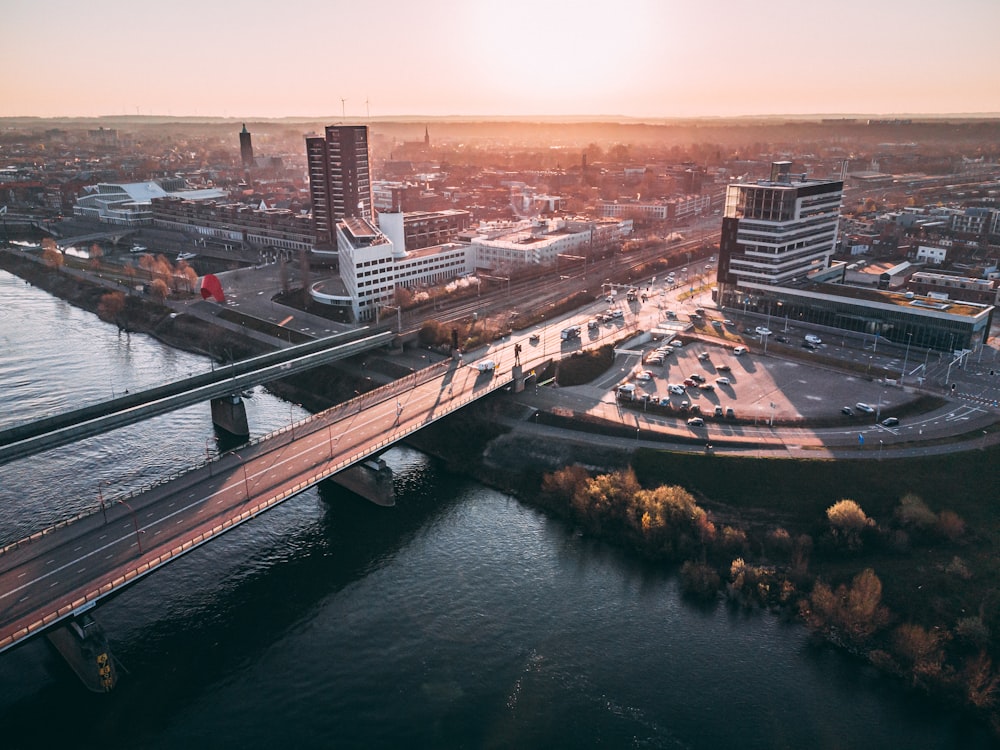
(67, 569)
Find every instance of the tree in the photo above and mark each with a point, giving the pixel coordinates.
(855, 611)
(51, 254)
(111, 307)
(159, 290)
(95, 256)
(847, 522)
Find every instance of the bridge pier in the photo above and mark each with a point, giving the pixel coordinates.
(84, 646)
(371, 479)
(229, 413)
(517, 372)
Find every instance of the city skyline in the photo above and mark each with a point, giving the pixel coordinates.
(650, 59)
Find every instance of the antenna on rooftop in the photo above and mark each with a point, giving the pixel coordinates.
(368, 112)
(343, 110)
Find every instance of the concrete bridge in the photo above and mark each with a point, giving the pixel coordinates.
(220, 386)
(51, 580)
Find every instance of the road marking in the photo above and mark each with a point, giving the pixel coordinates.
(81, 570)
(77, 549)
(23, 574)
(50, 562)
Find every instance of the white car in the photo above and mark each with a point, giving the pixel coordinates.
(762, 331)
(678, 389)
(696, 422)
(813, 339)
(723, 381)
(644, 375)
(866, 408)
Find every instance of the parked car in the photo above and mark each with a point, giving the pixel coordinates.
(696, 377)
(706, 387)
(685, 404)
(674, 388)
(644, 375)
(718, 410)
(688, 383)
(617, 314)
(866, 408)
(664, 401)
(696, 422)
(739, 350)
(729, 322)
(723, 381)
(890, 422)
(534, 338)
(723, 368)
(847, 410)
(703, 356)
(676, 343)
(730, 414)
(717, 324)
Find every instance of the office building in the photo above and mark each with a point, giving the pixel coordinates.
(339, 179)
(777, 231)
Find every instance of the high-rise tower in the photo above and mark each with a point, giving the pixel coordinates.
(246, 147)
(776, 231)
(339, 178)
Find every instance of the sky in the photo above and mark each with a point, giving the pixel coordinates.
(632, 58)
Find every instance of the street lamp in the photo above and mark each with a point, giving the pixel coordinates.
(135, 524)
(246, 480)
(906, 357)
(100, 496)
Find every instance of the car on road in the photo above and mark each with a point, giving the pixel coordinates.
(813, 339)
(674, 388)
(781, 339)
(847, 410)
(809, 345)
(890, 422)
(723, 368)
(729, 322)
(866, 408)
(723, 381)
(762, 331)
(696, 422)
(740, 350)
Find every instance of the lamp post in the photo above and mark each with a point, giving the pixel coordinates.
(100, 496)
(879, 450)
(246, 480)
(135, 524)
(902, 374)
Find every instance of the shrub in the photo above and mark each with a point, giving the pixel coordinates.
(564, 483)
(950, 525)
(854, 610)
(912, 512)
(699, 580)
(847, 522)
(779, 543)
(972, 631)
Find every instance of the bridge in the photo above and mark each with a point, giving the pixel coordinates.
(25, 440)
(57, 575)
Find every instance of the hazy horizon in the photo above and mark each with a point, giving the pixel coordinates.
(649, 60)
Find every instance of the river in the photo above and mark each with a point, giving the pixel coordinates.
(461, 618)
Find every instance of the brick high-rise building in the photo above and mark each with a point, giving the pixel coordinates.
(339, 178)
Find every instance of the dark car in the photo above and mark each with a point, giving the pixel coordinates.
(847, 410)
(723, 368)
(890, 422)
(809, 345)
(781, 339)
(696, 377)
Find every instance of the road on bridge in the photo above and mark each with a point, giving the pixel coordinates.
(67, 569)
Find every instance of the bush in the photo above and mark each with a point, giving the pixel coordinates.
(854, 611)
(847, 522)
(699, 580)
(950, 525)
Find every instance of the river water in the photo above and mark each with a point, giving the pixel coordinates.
(461, 618)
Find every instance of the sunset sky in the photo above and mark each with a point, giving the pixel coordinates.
(640, 58)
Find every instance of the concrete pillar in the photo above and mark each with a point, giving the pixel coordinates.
(82, 643)
(230, 414)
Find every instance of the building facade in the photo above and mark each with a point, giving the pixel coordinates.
(339, 178)
(246, 148)
(777, 231)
